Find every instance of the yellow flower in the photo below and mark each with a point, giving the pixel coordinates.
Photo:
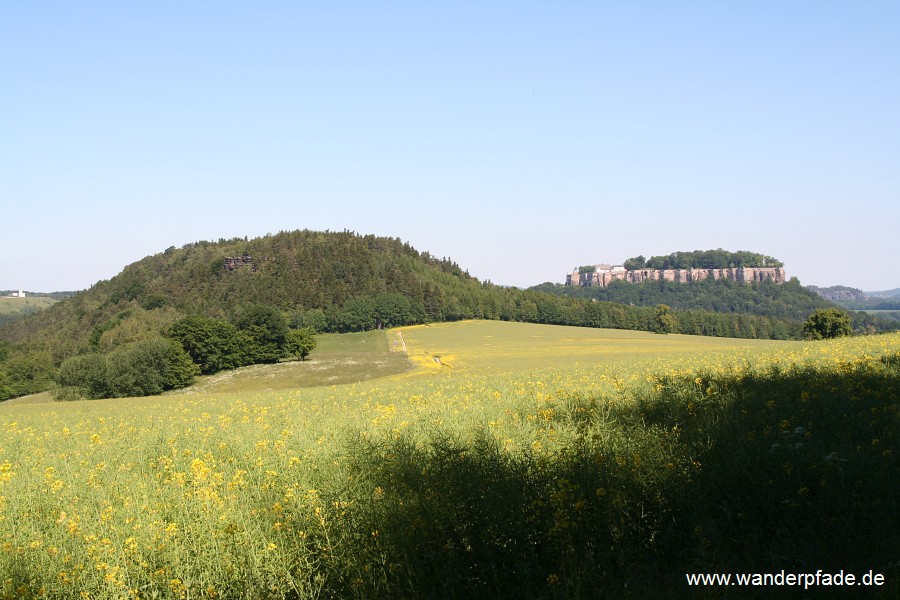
(199, 470)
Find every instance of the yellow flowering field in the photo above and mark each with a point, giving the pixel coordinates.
(517, 460)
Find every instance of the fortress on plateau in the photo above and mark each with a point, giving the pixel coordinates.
(603, 274)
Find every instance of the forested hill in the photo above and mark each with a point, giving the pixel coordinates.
(788, 301)
(292, 271)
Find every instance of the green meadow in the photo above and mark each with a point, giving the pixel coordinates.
(30, 304)
(338, 359)
(488, 460)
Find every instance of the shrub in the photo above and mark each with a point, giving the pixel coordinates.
(147, 368)
(82, 376)
(138, 369)
(25, 372)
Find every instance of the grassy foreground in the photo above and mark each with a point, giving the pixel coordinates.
(568, 472)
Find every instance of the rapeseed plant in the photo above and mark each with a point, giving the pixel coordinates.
(539, 479)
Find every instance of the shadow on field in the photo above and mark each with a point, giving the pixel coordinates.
(793, 470)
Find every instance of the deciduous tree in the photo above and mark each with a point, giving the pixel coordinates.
(300, 342)
(664, 321)
(827, 323)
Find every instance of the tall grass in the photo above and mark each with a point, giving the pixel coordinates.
(563, 483)
(778, 468)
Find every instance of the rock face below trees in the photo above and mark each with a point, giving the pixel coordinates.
(603, 277)
(233, 263)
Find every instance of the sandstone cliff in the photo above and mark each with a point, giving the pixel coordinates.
(604, 276)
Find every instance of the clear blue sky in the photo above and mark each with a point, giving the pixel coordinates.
(520, 139)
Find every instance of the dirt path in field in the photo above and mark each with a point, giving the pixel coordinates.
(402, 342)
(39, 398)
(399, 345)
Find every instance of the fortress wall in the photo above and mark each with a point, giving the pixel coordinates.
(744, 275)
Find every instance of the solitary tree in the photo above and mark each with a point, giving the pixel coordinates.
(300, 342)
(827, 323)
(664, 321)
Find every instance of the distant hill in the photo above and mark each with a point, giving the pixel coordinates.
(856, 299)
(789, 300)
(886, 293)
(839, 293)
(15, 308)
(53, 295)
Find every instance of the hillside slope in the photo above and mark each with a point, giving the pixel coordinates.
(784, 301)
(292, 271)
(789, 301)
(856, 299)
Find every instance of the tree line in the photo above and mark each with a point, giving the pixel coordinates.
(703, 259)
(789, 301)
(140, 352)
(190, 346)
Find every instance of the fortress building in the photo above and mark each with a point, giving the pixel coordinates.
(604, 274)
